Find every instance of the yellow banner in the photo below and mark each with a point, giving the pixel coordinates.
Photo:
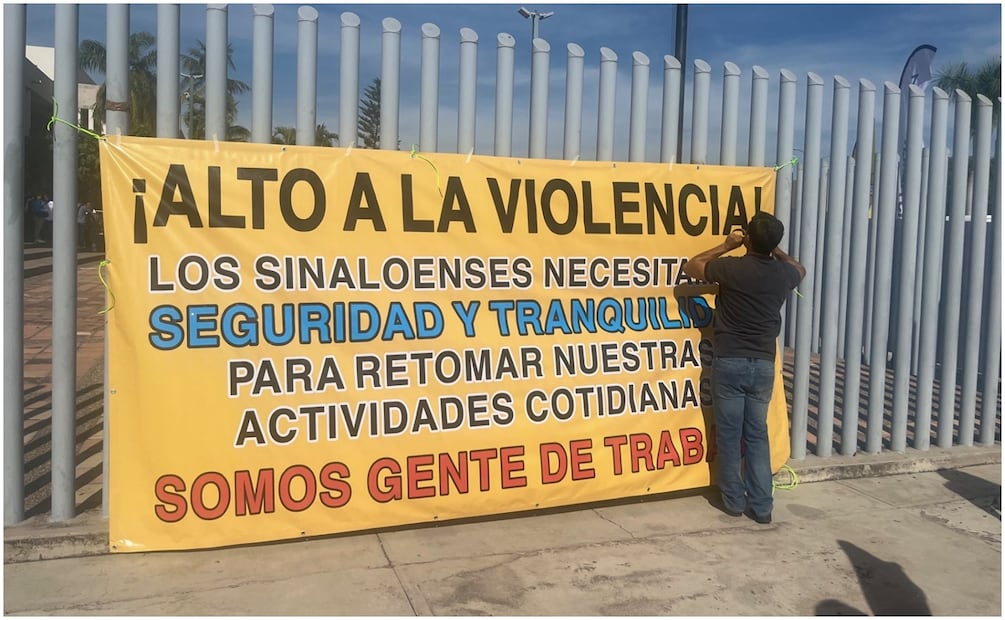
(308, 341)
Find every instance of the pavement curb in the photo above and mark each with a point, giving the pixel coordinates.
(87, 534)
(39, 539)
(911, 461)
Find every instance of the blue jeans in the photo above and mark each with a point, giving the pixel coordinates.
(741, 391)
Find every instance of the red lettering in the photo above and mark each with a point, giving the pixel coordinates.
(333, 479)
(642, 446)
(511, 463)
(417, 475)
(581, 458)
(690, 442)
(615, 443)
(199, 485)
(168, 489)
(285, 488)
(384, 494)
(483, 457)
(667, 451)
(549, 474)
(456, 473)
(250, 498)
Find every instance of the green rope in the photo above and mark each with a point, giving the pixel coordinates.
(791, 162)
(101, 277)
(55, 119)
(787, 486)
(414, 154)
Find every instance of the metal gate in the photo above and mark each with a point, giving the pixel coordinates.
(901, 303)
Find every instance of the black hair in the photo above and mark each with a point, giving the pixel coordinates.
(765, 231)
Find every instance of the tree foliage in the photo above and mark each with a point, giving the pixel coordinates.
(369, 116)
(91, 56)
(194, 64)
(984, 80)
(288, 135)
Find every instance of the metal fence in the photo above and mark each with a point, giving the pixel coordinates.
(904, 278)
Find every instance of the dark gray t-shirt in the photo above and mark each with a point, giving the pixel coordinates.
(747, 315)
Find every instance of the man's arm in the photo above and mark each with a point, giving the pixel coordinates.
(695, 267)
(785, 258)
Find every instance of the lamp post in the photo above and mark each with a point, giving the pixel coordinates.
(534, 17)
(191, 99)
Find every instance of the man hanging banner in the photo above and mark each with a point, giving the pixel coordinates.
(308, 341)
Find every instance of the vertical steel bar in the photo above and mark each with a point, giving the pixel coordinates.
(730, 114)
(993, 334)
(907, 259)
(505, 54)
(116, 123)
(759, 121)
(919, 275)
(818, 257)
(605, 105)
(307, 75)
(952, 286)
(390, 79)
(216, 72)
(538, 142)
(794, 245)
(467, 91)
(638, 107)
(870, 265)
(699, 112)
(263, 46)
(429, 89)
(14, 27)
(348, 88)
(856, 277)
(831, 280)
(671, 105)
(783, 155)
(931, 287)
(978, 269)
(842, 298)
(573, 101)
(168, 104)
(884, 213)
(807, 249)
(64, 270)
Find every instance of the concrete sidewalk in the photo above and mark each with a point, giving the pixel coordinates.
(914, 543)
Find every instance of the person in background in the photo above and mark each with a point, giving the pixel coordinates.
(48, 221)
(39, 210)
(83, 214)
(745, 327)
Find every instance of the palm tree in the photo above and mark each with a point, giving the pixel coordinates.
(288, 135)
(985, 80)
(194, 64)
(284, 135)
(142, 80)
(323, 137)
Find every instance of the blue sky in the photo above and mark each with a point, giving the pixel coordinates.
(855, 41)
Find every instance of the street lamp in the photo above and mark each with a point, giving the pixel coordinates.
(191, 99)
(534, 17)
